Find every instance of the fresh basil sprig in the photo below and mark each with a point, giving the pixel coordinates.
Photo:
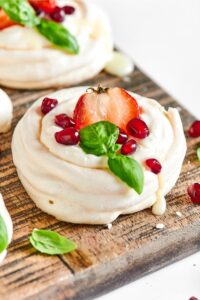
(58, 35)
(20, 11)
(3, 235)
(100, 139)
(198, 153)
(50, 242)
(128, 170)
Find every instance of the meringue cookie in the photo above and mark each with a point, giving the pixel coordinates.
(28, 60)
(76, 187)
(6, 112)
(4, 213)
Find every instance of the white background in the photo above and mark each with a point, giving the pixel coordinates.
(163, 38)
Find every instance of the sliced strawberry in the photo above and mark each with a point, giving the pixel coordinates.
(46, 6)
(5, 21)
(114, 105)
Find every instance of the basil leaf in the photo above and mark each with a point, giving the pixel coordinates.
(198, 153)
(128, 170)
(3, 235)
(20, 11)
(58, 35)
(99, 138)
(50, 242)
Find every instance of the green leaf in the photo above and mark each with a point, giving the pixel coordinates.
(99, 138)
(128, 170)
(3, 235)
(20, 11)
(58, 35)
(198, 153)
(50, 242)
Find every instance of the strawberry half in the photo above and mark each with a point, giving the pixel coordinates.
(46, 6)
(111, 104)
(5, 21)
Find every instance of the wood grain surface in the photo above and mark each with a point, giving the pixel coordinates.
(105, 259)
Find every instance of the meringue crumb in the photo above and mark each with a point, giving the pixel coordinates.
(127, 79)
(179, 214)
(109, 226)
(160, 226)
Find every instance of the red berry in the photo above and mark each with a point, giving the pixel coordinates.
(194, 130)
(129, 147)
(194, 192)
(154, 165)
(68, 136)
(58, 15)
(193, 298)
(105, 104)
(46, 6)
(122, 138)
(68, 9)
(48, 104)
(138, 128)
(64, 121)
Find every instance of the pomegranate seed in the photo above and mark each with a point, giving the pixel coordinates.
(48, 104)
(58, 15)
(68, 9)
(129, 147)
(193, 298)
(138, 128)
(122, 138)
(154, 165)
(68, 136)
(64, 121)
(194, 130)
(194, 192)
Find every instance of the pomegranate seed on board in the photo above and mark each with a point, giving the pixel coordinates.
(154, 165)
(68, 136)
(194, 130)
(129, 147)
(64, 121)
(122, 138)
(58, 15)
(68, 9)
(48, 104)
(194, 192)
(138, 128)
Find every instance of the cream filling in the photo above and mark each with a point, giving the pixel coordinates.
(6, 111)
(79, 188)
(28, 60)
(4, 213)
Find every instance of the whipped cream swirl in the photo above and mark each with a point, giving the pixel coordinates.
(29, 60)
(79, 188)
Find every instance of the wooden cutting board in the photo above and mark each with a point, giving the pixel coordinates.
(105, 259)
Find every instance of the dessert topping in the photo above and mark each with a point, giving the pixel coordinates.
(194, 130)
(129, 147)
(48, 104)
(64, 121)
(122, 138)
(154, 165)
(68, 136)
(194, 192)
(3, 235)
(109, 104)
(138, 128)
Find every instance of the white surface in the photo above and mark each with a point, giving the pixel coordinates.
(163, 39)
